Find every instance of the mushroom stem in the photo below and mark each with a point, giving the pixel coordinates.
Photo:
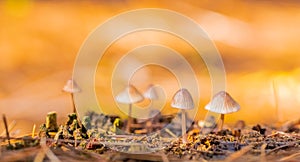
(183, 128)
(129, 119)
(222, 121)
(74, 108)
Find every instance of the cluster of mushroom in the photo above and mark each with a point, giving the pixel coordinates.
(221, 103)
(181, 100)
(131, 95)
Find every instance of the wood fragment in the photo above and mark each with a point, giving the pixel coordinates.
(51, 123)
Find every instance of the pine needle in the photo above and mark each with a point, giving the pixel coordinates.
(10, 127)
(47, 151)
(263, 153)
(170, 132)
(238, 154)
(290, 157)
(40, 156)
(280, 147)
(33, 131)
(164, 157)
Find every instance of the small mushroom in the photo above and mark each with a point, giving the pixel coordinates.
(129, 95)
(222, 103)
(183, 100)
(72, 87)
(151, 93)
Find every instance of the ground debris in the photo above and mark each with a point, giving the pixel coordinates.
(86, 141)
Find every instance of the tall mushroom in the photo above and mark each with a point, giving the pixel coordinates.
(183, 100)
(222, 103)
(72, 87)
(129, 95)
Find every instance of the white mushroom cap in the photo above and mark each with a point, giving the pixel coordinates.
(71, 87)
(129, 95)
(222, 103)
(182, 100)
(151, 93)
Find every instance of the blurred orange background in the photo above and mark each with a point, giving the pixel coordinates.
(258, 41)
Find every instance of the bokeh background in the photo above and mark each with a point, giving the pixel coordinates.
(258, 41)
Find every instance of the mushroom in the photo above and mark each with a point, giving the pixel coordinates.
(222, 103)
(183, 100)
(72, 87)
(151, 93)
(129, 96)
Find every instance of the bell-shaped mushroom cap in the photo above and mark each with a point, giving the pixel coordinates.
(182, 100)
(222, 103)
(71, 87)
(151, 93)
(129, 95)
